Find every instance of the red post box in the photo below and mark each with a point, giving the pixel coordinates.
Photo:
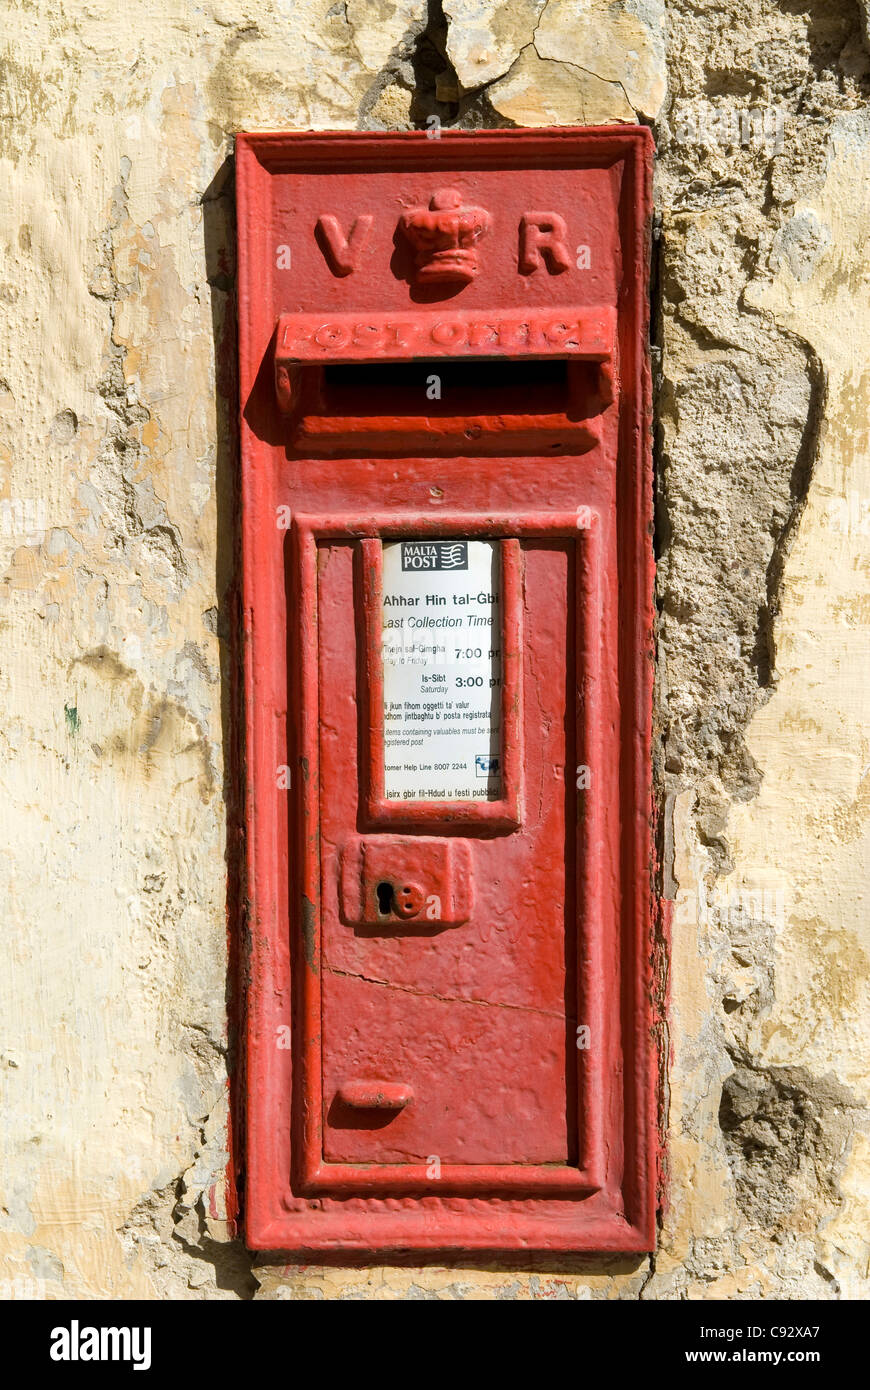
(447, 570)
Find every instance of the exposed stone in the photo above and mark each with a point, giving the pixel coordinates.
(607, 60)
(485, 37)
(392, 110)
(758, 362)
(787, 1136)
(379, 26)
(540, 92)
(621, 43)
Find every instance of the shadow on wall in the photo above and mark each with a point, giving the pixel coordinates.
(232, 1262)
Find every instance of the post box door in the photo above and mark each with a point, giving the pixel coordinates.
(475, 1019)
(446, 647)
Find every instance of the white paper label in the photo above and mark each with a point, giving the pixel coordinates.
(442, 670)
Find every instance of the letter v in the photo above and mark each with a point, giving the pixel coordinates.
(343, 253)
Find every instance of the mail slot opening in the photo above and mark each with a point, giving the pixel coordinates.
(476, 386)
(437, 385)
(440, 404)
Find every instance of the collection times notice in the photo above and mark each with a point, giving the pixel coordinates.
(442, 670)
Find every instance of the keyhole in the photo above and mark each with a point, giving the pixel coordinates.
(385, 898)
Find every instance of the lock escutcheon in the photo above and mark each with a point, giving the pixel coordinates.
(408, 898)
(388, 879)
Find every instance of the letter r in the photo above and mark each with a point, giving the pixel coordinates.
(543, 236)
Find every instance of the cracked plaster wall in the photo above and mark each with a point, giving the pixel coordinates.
(116, 496)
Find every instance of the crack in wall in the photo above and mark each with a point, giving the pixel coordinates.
(567, 63)
(421, 68)
(123, 452)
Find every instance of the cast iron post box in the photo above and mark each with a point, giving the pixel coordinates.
(447, 624)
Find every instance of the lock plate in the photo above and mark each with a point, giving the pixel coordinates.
(390, 880)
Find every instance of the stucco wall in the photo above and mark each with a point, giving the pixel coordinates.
(117, 463)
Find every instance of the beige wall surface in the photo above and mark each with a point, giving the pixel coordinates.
(117, 466)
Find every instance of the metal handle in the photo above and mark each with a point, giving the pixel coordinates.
(375, 1095)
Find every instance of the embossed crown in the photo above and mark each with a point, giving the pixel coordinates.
(444, 237)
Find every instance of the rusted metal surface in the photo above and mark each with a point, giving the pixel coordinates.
(447, 1019)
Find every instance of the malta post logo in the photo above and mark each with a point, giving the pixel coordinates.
(435, 555)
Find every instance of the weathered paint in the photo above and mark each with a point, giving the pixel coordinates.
(539, 1144)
